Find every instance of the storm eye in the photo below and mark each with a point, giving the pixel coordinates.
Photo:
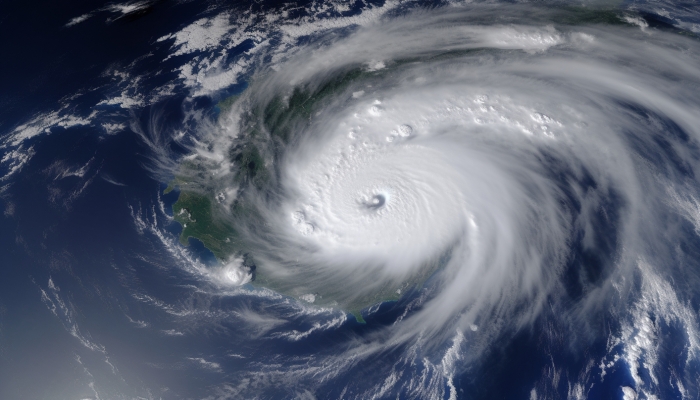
(376, 202)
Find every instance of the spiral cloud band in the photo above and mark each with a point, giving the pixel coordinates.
(498, 166)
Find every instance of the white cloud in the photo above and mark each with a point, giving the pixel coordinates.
(17, 153)
(62, 310)
(119, 9)
(203, 34)
(125, 100)
(78, 19)
(210, 365)
(215, 36)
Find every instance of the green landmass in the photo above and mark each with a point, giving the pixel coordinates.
(204, 218)
(194, 212)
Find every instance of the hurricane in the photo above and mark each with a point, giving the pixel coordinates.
(436, 202)
(488, 169)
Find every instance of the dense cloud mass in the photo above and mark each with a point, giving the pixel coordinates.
(503, 166)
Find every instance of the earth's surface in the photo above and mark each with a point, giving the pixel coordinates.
(350, 199)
